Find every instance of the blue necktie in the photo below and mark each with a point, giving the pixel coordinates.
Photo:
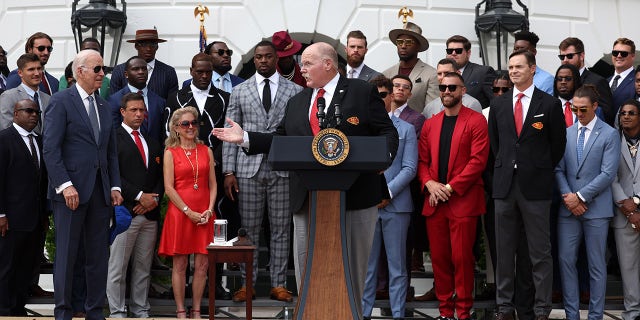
(580, 146)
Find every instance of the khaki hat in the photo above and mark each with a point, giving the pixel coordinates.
(412, 29)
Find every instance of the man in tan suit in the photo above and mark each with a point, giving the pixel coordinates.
(409, 41)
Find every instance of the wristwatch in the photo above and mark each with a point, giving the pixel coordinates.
(636, 199)
(185, 209)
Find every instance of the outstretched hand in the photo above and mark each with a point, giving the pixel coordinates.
(232, 134)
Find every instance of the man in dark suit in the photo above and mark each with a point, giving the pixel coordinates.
(22, 206)
(136, 73)
(622, 81)
(364, 115)
(477, 79)
(84, 182)
(356, 50)
(41, 44)
(142, 187)
(527, 135)
(163, 79)
(572, 52)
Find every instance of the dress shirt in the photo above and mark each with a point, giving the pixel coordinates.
(215, 79)
(562, 102)
(329, 90)
(622, 75)
(144, 90)
(200, 96)
(150, 66)
(526, 100)
(273, 85)
(357, 70)
(587, 133)
(31, 93)
(144, 145)
(398, 111)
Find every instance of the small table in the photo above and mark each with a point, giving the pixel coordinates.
(240, 254)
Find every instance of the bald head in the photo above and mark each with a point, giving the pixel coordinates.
(319, 64)
(26, 114)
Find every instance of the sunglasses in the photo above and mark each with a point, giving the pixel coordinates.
(222, 51)
(628, 113)
(581, 109)
(97, 69)
(451, 87)
(568, 55)
(617, 53)
(383, 94)
(42, 48)
(405, 42)
(456, 50)
(31, 111)
(500, 89)
(566, 79)
(402, 85)
(186, 124)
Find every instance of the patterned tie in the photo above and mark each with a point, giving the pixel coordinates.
(614, 84)
(568, 115)
(352, 73)
(266, 95)
(136, 137)
(36, 99)
(93, 118)
(3, 82)
(313, 119)
(517, 114)
(580, 146)
(34, 154)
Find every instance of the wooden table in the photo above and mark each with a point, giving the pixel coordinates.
(240, 254)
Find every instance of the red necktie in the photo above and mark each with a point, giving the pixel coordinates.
(136, 137)
(517, 114)
(45, 82)
(313, 119)
(568, 115)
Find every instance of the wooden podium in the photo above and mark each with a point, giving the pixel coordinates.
(326, 291)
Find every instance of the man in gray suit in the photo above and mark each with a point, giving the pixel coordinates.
(626, 220)
(356, 50)
(258, 104)
(30, 72)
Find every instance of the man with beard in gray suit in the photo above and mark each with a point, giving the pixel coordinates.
(356, 50)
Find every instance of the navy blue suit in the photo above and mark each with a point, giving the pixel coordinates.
(163, 80)
(625, 91)
(13, 80)
(152, 126)
(71, 153)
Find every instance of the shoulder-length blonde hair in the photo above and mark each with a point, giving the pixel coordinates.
(173, 140)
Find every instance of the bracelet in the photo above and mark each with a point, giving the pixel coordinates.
(230, 173)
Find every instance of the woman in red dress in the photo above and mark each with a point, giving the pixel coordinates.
(190, 184)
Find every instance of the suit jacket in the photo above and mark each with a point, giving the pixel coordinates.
(626, 90)
(626, 182)
(536, 151)
(13, 81)
(367, 73)
(414, 118)
(134, 175)
(71, 153)
(154, 127)
(358, 100)
(605, 98)
(23, 188)
(163, 80)
(245, 108)
(403, 168)
(235, 80)
(479, 82)
(425, 84)
(8, 100)
(594, 174)
(468, 156)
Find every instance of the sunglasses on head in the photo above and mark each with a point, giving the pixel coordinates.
(568, 55)
(617, 53)
(456, 50)
(451, 87)
(222, 51)
(628, 113)
(383, 94)
(42, 48)
(30, 110)
(581, 109)
(404, 42)
(97, 69)
(500, 89)
(186, 124)
(567, 79)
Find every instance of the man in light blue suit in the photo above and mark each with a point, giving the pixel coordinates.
(584, 177)
(394, 216)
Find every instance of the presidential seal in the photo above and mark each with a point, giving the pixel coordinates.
(330, 147)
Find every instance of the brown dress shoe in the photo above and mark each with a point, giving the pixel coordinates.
(241, 295)
(38, 292)
(428, 296)
(281, 294)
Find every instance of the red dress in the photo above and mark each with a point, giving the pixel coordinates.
(179, 234)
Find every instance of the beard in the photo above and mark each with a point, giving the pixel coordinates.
(450, 103)
(222, 69)
(567, 96)
(355, 61)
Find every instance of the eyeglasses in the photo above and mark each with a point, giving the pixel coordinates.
(500, 89)
(566, 79)
(617, 53)
(30, 110)
(628, 113)
(383, 94)
(451, 87)
(146, 44)
(42, 48)
(568, 55)
(97, 69)
(581, 109)
(402, 85)
(187, 124)
(221, 52)
(405, 42)
(456, 50)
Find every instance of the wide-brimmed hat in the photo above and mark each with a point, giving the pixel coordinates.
(146, 35)
(412, 29)
(285, 46)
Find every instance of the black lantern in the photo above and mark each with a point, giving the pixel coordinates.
(495, 29)
(100, 19)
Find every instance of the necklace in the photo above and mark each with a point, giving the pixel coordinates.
(194, 169)
(633, 148)
(289, 76)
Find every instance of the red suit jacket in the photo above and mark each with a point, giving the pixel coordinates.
(467, 161)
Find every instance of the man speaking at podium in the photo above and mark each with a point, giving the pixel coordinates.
(363, 114)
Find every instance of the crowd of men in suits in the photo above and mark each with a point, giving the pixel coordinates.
(546, 165)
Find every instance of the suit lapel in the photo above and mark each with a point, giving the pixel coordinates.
(25, 150)
(305, 95)
(534, 108)
(626, 155)
(78, 105)
(593, 136)
(434, 140)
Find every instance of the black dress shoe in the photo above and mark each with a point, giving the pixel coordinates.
(38, 292)
(222, 294)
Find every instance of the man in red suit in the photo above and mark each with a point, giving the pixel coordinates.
(453, 151)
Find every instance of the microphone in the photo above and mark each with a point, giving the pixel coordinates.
(338, 114)
(321, 115)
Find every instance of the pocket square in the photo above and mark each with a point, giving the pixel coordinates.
(538, 125)
(354, 121)
(418, 80)
(538, 115)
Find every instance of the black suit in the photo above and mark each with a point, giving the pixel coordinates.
(523, 194)
(605, 99)
(479, 82)
(23, 199)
